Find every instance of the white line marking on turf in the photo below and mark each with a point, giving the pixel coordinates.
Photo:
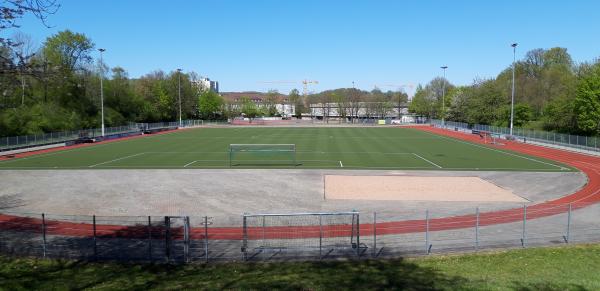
(189, 164)
(118, 159)
(341, 165)
(439, 167)
(502, 152)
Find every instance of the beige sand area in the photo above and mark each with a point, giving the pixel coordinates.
(411, 188)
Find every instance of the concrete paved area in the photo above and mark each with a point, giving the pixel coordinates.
(226, 194)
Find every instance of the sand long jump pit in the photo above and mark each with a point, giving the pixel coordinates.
(413, 188)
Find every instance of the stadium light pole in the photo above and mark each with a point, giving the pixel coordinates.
(179, 75)
(444, 96)
(101, 88)
(512, 102)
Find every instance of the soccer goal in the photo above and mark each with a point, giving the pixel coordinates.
(303, 234)
(262, 154)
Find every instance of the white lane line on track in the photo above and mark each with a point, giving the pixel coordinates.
(439, 167)
(499, 151)
(118, 159)
(186, 165)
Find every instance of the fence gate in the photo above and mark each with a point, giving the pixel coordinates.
(267, 236)
(177, 238)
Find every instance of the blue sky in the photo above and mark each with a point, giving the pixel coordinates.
(243, 43)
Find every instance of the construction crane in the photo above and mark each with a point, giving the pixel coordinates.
(304, 83)
(399, 87)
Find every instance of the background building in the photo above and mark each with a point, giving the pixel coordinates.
(262, 100)
(205, 84)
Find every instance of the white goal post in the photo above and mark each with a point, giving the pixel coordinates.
(262, 154)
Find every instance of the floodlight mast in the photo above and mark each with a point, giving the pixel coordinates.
(179, 76)
(444, 97)
(512, 102)
(102, 88)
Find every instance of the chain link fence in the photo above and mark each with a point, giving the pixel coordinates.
(183, 239)
(44, 139)
(590, 143)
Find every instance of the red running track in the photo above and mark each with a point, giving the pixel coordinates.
(586, 196)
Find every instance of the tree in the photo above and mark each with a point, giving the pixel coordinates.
(459, 103)
(210, 105)
(523, 113)
(69, 50)
(340, 99)
(587, 101)
(354, 102)
(297, 102)
(419, 104)
(249, 108)
(270, 103)
(485, 102)
(10, 12)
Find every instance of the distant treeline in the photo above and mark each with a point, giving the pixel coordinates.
(551, 93)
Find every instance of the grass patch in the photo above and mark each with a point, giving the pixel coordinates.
(322, 148)
(563, 268)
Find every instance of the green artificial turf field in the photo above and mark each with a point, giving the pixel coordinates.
(322, 148)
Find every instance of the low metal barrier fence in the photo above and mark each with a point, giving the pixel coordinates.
(591, 143)
(25, 141)
(317, 236)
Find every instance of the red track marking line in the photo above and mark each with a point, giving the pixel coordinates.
(588, 195)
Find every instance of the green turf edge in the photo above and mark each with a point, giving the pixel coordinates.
(557, 163)
(567, 168)
(548, 268)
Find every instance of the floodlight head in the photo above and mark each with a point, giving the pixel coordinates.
(514, 44)
(444, 67)
(101, 50)
(179, 70)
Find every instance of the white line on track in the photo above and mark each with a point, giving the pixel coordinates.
(439, 167)
(118, 159)
(186, 165)
(499, 151)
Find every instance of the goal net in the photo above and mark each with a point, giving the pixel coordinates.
(304, 234)
(262, 154)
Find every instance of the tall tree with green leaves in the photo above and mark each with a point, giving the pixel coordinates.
(587, 101)
(249, 108)
(210, 105)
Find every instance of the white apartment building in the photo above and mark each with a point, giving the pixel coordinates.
(205, 84)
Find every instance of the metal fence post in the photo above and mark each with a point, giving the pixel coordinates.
(263, 236)
(44, 234)
(206, 239)
(427, 247)
(244, 239)
(568, 234)
(320, 237)
(374, 234)
(149, 238)
(95, 243)
(186, 239)
(524, 234)
(477, 228)
(358, 235)
(167, 239)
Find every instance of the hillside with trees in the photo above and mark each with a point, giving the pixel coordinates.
(552, 92)
(55, 86)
